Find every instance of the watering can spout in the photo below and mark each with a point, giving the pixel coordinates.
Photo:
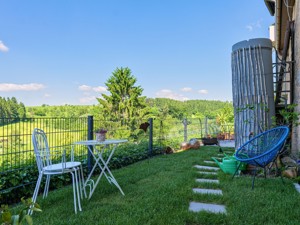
(217, 161)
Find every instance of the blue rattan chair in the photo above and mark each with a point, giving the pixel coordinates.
(263, 149)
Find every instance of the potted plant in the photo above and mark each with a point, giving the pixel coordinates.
(100, 134)
(209, 140)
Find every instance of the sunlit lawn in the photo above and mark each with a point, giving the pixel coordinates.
(158, 191)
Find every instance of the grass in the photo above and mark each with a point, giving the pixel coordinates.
(158, 192)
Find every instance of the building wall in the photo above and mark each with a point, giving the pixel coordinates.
(296, 130)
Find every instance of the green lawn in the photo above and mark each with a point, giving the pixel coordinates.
(158, 191)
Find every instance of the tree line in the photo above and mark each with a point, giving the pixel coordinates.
(11, 108)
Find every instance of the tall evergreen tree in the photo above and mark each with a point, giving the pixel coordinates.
(14, 106)
(21, 111)
(125, 102)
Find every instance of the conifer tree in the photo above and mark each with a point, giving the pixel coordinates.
(125, 102)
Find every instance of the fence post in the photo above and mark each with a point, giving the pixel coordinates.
(90, 137)
(185, 129)
(206, 127)
(150, 137)
(201, 135)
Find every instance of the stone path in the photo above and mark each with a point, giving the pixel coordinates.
(297, 186)
(207, 173)
(207, 181)
(207, 191)
(208, 207)
(213, 208)
(207, 167)
(210, 162)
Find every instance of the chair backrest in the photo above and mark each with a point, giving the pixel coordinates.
(41, 149)
(263, 148)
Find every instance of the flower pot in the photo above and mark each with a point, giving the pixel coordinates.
(100, 137)
(210, 141)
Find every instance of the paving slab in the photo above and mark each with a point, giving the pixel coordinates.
(297, 186)
(207, 191)
(208, 173)
(227, 143)
(208, 181)
(210, 162)
(213, 208)
(206, 167)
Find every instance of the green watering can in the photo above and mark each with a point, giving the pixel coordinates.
(229, 164)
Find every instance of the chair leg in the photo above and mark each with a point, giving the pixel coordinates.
(253, 179)
(46, 189)
(82, 187)
(36, 191)
(77, 184)
(279, 171)
(74, 192)
(237, 169)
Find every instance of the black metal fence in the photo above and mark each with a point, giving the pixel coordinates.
(16, 149)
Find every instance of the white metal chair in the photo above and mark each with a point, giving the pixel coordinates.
(45, 157)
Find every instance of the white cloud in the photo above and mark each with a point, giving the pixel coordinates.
(47, 95)
(186, 89)
(86, 100)
(84, 88)
(204, 92)
(21, 87)
(250, 27)
(100, 89)
(166, 93)
(3, 48)
(89, 88)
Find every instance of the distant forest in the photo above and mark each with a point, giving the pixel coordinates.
(174, 108)
(11, 108)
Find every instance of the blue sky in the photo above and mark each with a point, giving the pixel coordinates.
(63, 51)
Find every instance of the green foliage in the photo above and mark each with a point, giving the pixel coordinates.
(10, 108)
(24, 178)
(125, 103)
(7, 218)
(225, 118)
(289, 116)
(191, 108)
(63, 111)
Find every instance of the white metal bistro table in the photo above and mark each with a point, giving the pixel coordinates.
(97, 149)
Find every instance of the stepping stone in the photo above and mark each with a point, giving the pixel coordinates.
(207, 167)
(210, 162)
(207, 191)
(207, 181)
(208, 173)
(227, 143)
(220, 154)
(297, 186)
(213, 208)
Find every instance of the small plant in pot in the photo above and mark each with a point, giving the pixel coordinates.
(100, 134)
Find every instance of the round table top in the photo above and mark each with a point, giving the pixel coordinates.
(106, 142)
